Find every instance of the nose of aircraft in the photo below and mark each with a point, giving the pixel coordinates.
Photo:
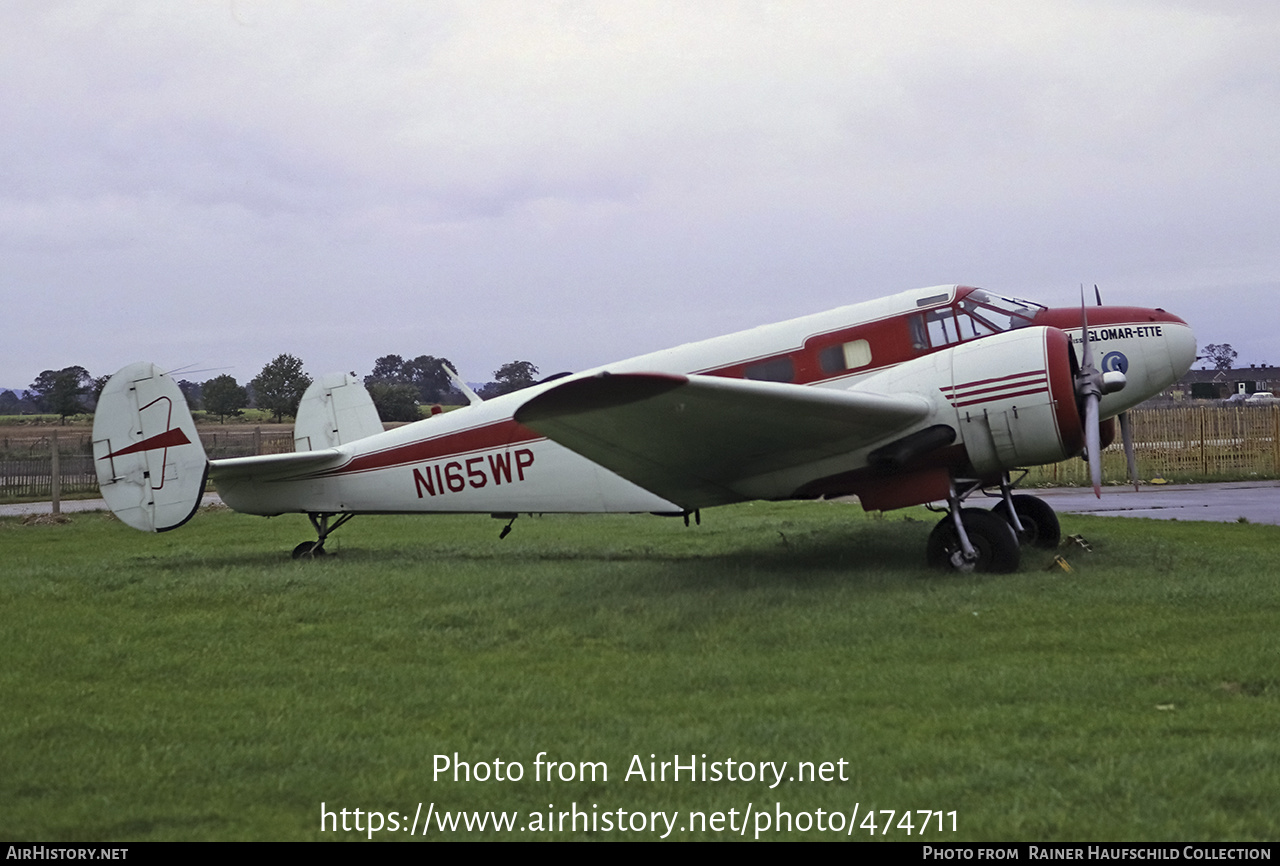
(1179, 345)
(1152, 347)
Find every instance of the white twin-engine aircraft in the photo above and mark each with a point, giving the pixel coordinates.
(925, 396)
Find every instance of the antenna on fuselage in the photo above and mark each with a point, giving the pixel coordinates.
(472, 397)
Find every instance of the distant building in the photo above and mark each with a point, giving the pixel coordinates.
(1210, 384)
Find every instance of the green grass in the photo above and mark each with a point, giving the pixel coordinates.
(200, 685)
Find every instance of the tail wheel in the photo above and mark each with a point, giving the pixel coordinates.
(1040, 527)
(309, 550)
(992, 538)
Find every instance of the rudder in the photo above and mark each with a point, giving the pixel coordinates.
(151, 466)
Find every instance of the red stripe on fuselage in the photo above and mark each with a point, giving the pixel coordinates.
(991, 398)
(486, 437)
(1001, 388)
(1007, 380)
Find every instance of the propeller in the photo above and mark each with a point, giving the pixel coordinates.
(1091, 383)
(1126, 425)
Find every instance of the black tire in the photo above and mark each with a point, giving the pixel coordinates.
(991, 536)
(1040, 527)
(308, 550)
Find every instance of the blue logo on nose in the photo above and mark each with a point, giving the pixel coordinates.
(1115, 362)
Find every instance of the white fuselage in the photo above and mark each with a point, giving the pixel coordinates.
(477, 459)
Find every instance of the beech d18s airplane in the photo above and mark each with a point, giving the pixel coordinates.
(925, 396)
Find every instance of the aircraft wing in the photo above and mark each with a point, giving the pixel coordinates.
(690, 439)
(266, 467)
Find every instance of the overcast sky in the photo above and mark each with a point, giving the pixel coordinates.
(208, 183)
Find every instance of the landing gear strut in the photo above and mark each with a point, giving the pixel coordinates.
(312, 549)
(973, 539)
(992, 546)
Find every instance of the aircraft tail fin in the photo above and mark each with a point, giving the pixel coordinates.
(151, 466)
(335, 409)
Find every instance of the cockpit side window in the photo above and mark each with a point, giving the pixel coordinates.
(942, 327)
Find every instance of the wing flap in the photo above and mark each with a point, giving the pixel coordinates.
(692, 439)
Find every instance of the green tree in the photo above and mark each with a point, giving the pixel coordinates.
(433, 383)
(61, 392)
(223, 396)
(395, 401)
(1221, 355)
(95, 388)
(280, 385)
(425, 372)
(388, 368)
(192, 391)
(510, 377)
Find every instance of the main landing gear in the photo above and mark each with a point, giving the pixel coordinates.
(312, 549)
(974, 539)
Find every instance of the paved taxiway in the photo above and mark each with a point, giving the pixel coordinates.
(1255, 501)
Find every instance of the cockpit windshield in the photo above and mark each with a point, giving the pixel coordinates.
(977, 314)
(994, 313)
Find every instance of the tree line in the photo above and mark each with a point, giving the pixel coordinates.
(399, 388)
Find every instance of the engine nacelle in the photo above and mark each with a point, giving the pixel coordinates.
(1015, 402)
(1010, 398)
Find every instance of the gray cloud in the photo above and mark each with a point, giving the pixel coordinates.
(222, 181)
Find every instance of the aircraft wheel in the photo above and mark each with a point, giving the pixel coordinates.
(992, 539)
(1039, 521)
(308, 550)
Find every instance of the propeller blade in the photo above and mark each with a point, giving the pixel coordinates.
(1086, 352)
(1097, 294)
(1089, 386)
(1093, 442)
(1126, 433)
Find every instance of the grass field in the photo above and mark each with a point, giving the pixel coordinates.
(201, 685)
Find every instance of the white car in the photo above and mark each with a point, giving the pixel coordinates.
(1261, 398)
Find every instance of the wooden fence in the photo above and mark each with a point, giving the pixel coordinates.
(26, 470)
(1185, 443)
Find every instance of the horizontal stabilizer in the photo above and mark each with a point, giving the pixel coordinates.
(151, 465)
(271, 467)
(692, 439)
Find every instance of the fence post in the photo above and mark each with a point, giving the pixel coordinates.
(1275, 439)
(257, 440)
(55, 475)
(1204, 458)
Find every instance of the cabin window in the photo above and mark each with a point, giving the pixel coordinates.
(846, 356)
(773, 370)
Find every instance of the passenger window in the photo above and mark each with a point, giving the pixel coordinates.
(773, 370)
(845, 356)
(857, 353)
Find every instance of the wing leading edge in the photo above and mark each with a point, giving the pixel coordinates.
(274, 467)
(694, 439)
